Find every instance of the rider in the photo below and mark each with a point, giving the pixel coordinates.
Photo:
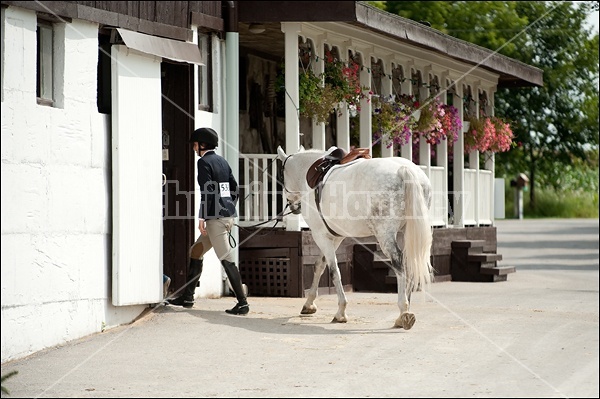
(218, 198)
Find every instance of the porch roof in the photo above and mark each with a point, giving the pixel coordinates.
(512, 73)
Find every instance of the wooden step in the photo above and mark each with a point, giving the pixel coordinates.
(366, 247)
(468, 243)
(380, 256)
(498, 270)
(485, 264)
(380, 260)
(484, 257)
(381, 264)
(391, 280)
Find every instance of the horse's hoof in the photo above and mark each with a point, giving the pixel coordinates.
(308, 310)
(406, 320)
(339, 320)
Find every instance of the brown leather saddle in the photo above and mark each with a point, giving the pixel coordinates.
(317, 171)
(321, 166)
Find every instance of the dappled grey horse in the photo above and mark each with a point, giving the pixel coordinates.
(388, 198)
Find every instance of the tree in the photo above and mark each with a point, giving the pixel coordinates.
(556, 123)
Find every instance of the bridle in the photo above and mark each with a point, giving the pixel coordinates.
(318, 190)
(276, 218)
(297, 210)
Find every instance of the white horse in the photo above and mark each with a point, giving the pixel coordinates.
(381, 197)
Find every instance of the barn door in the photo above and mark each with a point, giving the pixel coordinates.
(178, 170)
(136, 177)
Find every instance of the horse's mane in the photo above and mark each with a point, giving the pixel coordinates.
(315, 151)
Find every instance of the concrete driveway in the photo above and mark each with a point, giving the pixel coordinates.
(535, 335)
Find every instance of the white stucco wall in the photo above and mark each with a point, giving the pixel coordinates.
(56, 179)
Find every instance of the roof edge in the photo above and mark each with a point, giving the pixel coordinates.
(513, 73)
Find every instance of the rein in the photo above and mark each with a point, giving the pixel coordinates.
(276, 218)
(282, 214)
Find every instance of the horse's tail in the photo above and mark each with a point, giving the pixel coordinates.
(418, 235)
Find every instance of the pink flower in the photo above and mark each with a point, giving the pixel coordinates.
(490, 134)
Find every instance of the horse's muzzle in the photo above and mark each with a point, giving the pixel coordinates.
(296, 209)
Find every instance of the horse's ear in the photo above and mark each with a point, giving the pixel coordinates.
(301, 149)
(281, 153)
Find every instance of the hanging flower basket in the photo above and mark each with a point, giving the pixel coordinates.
(344, 80)
(322, 94)
(317, 101)
(503, 138)
(491, 134)
(438, 122)
(393, 119)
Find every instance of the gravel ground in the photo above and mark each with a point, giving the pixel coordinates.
(535, 335)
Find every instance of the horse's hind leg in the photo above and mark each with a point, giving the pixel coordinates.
(407, 319)
(309, 306)
(390, 247)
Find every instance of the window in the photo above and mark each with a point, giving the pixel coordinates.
(45, 63)
(103, 99)
(205, 92)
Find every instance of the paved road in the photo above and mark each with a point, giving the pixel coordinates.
(535, 335)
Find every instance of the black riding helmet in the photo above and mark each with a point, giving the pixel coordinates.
(205, 135)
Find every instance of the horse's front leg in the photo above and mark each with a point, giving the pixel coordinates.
(328, 248)
(309, 306)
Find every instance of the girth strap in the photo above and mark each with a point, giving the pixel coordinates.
(318, 170)
(318, 189)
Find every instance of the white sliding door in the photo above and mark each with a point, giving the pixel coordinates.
(136, 177)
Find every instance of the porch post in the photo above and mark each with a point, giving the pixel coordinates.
(318, 128)
(442, 150)
(366, 137)
(474, 163)
(292, 100)
(406, 150)
(343, 115)
(424, 146)
(386, 91)
(232, 111)
(490, 159)
(458, 174)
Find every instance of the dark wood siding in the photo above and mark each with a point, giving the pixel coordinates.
(171, 19)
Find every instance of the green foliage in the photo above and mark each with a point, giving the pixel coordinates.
(320, 95)
(555, 126)
(553, 203)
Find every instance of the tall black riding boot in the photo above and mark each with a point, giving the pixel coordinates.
(233, 274)
(193, 277)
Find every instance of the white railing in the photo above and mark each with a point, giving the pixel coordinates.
(478, 209)
(439, 203)
(470, 185)
(261, 196)
(486, 193)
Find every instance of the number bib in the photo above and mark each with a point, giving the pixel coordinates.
(224, 190)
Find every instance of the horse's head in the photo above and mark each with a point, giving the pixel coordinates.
(291, 185)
